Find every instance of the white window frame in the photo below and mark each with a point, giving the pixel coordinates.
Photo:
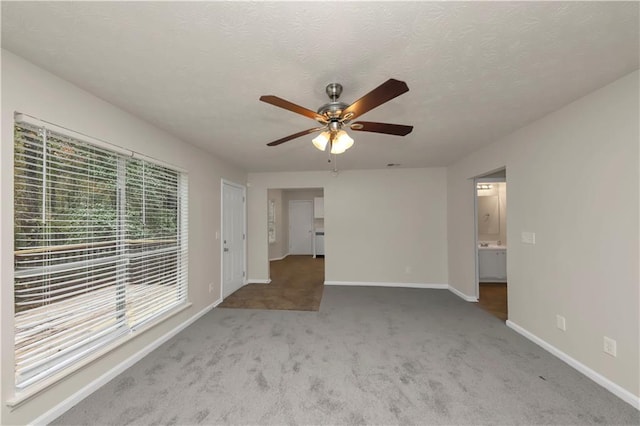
(150, 314)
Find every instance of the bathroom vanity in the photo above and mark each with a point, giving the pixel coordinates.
(492, 263)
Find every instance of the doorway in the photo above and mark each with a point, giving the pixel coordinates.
(290, 236)
(490, 203)
(233, 238)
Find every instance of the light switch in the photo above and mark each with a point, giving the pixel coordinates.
(528, 237)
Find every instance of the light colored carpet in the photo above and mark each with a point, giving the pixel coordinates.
(369, 356)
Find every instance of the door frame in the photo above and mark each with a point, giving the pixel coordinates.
(224, 182)
(476, 181)
(310, 203)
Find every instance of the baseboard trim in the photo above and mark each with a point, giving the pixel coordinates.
(612, 387)
(405, 285)
(256, 281)
(381, 284)
(74, 399)
(462, 295)
(279, 258)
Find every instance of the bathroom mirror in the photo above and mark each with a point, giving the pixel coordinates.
(488, 215)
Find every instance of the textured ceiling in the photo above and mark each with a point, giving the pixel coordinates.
(476, 71)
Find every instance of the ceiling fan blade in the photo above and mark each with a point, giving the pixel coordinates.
(386, 128)
(381, 94)
(279, 102)
(295, 135)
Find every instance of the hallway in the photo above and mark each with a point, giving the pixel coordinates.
(297, 283)
(493, 299)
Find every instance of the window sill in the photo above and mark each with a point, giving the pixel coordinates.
(26, 394)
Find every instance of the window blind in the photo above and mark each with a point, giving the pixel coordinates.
(100, 247)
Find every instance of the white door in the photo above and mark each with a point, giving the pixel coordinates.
(233, 237)
(300, 227)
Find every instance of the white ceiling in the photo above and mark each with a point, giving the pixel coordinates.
(476, 71)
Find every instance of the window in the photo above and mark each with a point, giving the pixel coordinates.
(100, 247)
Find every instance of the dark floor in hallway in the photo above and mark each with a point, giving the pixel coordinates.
(493, 298)
(296, 284)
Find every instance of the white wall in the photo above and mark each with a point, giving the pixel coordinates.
(29, 89)
(572, 179)
(502, 197)
(377, 223)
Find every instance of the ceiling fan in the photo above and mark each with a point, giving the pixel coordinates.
(335, 116)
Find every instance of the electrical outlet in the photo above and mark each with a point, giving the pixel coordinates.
(561, 322)
(610, 346)
(210, 287)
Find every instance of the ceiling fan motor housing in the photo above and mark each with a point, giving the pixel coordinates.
(333, 109)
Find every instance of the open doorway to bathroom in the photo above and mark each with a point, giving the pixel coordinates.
(491, 243)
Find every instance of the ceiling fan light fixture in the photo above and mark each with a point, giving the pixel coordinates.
(336, 115)
(341, 142)
(321, 140)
